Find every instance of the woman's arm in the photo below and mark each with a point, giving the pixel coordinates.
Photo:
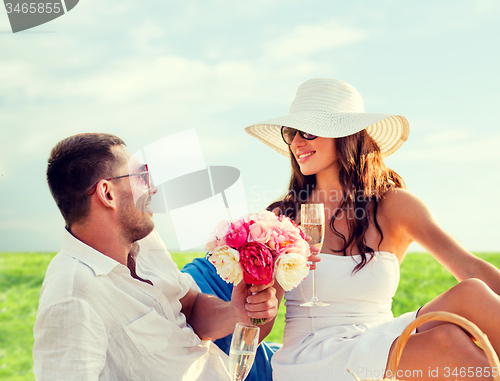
(419, 225)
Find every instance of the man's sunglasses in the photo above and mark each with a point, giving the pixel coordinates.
(143, 175)
(288, 133)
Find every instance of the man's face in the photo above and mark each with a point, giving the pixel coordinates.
(134, 197)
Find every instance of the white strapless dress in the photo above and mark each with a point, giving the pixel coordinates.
(354, 332)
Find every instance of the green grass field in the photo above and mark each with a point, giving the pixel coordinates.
(21, 276)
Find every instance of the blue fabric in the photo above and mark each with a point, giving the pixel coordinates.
(205, 276)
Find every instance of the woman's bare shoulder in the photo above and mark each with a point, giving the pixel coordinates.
(397, 194)
(401, 199)
(405, 209)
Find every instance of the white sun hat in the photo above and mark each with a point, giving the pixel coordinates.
(332, 108)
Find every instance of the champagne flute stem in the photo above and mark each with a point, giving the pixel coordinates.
(315, 294)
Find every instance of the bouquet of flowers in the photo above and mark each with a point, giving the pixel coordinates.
(259, 247)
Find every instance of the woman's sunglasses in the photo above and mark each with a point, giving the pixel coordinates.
(288, 133)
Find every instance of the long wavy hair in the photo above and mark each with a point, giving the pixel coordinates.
(364, 179)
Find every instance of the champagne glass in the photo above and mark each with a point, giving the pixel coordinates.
(312, 219)
(242, 352)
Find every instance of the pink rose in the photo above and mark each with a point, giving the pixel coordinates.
(216, 238)
(260, 231)
(237, 234)
(257, 261)
(292, 227)
(264, 216)
(280, 239)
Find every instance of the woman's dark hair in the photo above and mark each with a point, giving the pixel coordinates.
(364, 179)
(75, 164)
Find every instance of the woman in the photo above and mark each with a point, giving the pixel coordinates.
(337, 154)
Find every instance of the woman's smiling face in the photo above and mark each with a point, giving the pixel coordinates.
(314, 156)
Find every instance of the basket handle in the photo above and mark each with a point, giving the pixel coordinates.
(392, 365)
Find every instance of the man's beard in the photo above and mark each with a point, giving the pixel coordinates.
(135, 224)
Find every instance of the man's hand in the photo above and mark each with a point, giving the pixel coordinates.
(212, 318)
(256, 301)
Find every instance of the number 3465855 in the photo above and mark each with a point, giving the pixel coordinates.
(33, 8)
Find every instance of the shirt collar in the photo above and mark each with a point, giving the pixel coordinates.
(100, 263)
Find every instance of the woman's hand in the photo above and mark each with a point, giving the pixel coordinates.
(314, 257)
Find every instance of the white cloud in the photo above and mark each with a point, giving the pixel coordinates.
(304, 40)
(447, 137)
(29, 223)
(486, 6)
(456, 148)
(127, 80)
(20, 79)
(215, 147)
(145, 38)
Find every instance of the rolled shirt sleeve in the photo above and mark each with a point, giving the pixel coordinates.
(70, 343)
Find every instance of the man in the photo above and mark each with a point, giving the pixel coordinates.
(108, 313)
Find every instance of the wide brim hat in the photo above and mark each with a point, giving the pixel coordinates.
(332, 108)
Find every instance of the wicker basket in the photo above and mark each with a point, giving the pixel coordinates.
(392, 365)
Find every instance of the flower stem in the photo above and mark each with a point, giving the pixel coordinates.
(258, 321)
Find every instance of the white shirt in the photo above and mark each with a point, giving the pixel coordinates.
(96, 322)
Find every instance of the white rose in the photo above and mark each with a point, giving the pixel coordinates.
(263, 215)
(298, 247)
(291, 269)
(227, 263)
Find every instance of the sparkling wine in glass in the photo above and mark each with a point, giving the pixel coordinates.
(242, 352)
(312, 220)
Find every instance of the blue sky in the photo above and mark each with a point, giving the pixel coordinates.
(145, 70)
